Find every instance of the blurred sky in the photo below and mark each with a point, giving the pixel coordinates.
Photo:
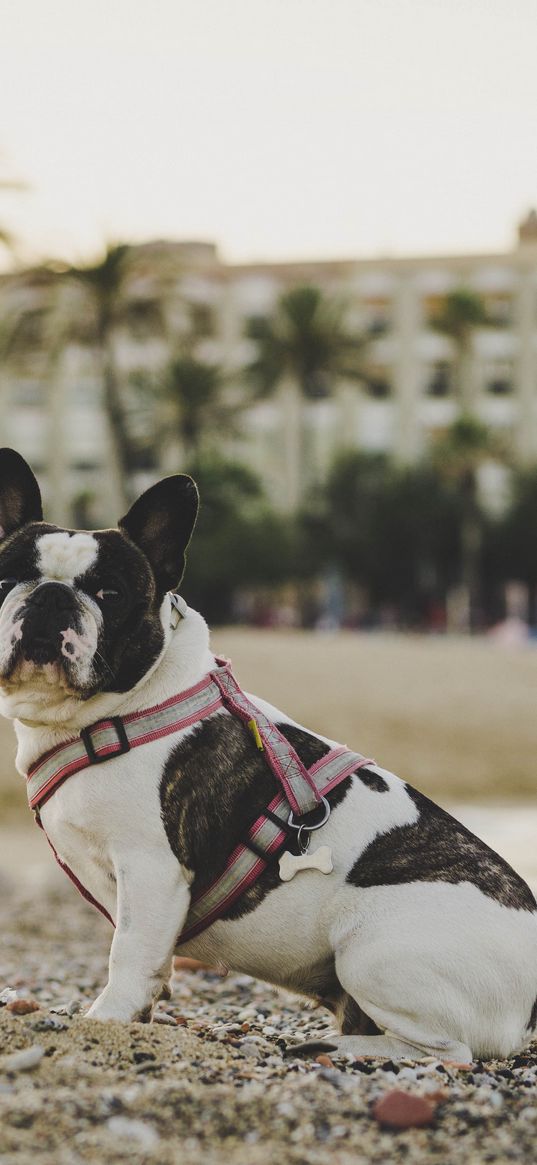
(278, 128)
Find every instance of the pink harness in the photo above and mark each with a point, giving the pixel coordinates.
(301, 789)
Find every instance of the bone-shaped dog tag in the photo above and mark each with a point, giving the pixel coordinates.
(320, 859)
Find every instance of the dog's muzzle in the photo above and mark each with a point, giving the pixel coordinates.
(49, 610)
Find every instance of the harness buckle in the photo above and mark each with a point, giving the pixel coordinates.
(122, 739)
(301, 825)
(305, 828)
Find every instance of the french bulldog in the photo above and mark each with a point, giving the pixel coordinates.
(420, 939)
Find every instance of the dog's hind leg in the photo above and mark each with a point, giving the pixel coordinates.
(383, 1046)
(400, 1032)
(352, 1019)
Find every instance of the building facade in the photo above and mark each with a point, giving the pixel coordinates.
(182, 297)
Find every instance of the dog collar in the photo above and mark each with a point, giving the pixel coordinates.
(179, 609)
(301, 789)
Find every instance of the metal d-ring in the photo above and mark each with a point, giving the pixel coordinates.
(305, 825)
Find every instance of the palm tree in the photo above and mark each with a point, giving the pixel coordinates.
(303, 349)
(105, 280)
(467, 443)
(461, 313)
(458, 455)
(193, 391)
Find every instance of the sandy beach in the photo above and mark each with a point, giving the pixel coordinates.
(210, 1080)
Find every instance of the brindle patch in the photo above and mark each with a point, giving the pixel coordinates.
(214, 786)
(373, 780)
(437, 848)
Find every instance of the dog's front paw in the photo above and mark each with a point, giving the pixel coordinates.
(110, 1007)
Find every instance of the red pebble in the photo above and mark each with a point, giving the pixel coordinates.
(22, 1006)
(401, 1110)
(325, 1060)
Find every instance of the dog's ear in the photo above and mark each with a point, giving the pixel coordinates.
(20, 497)
(161, 523)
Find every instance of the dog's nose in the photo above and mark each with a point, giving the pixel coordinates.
(49, 609)
(52, 597)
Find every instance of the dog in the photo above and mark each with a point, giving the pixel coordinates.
(420, 939)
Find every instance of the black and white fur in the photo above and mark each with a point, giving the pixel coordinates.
(422, 941)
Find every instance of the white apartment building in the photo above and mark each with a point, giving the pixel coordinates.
(177, 294)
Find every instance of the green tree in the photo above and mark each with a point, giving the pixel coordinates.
(512, 541)
(238, 542)
(194, 390)
(393, 530)
(461, 313)
(303, 349)
(458, 455)
(467, 443)
(105, 280)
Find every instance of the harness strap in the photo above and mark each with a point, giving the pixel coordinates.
(243, 867)
(116, 735)
(285, 763)
(301, 788)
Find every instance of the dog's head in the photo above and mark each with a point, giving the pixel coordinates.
(80, 612)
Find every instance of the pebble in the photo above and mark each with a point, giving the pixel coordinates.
(163, 1017)
(7, 996)
(144, 1136)
(402, 1110)
(250, 1048)
(22, 1006)
(24, 1061)
(49, 1023)
(71, 1008)
(222, 1074)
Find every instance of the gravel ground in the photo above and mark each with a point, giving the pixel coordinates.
(210, 1082)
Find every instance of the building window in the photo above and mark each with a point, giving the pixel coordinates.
(440, 380)
(144, 319)
(500, 386)
(378, 385)
(499, 310)
(377, 326)
(499, 378)
(202, 320)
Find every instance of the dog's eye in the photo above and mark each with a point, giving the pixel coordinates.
(6, 585)
(107, 595)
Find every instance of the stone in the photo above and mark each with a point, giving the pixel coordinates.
(7, 996)
(25, 1060)
(22, 1006)
(401, 1110)
(143, 1136)
(71, 1008)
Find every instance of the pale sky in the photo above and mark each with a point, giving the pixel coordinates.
(276, 128)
